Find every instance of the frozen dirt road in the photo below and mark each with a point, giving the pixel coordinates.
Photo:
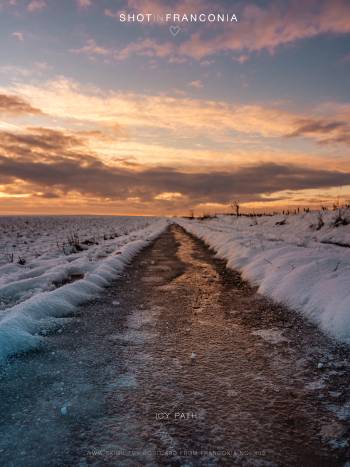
(179, 363)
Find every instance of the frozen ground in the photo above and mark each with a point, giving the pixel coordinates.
(179, 362)
(48, 265)
(300, 260)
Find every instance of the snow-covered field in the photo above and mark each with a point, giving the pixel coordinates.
(301, 260)
(48, 265)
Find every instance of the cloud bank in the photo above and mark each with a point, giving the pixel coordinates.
(59, 163)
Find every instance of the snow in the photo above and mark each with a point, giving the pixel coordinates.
(300, 260)
(64, 410)
(58, 276)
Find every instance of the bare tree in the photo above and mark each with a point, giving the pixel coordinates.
(235, 206)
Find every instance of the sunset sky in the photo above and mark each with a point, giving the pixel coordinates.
(103, 117)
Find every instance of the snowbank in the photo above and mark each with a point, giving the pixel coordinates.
(293, 260)
(21, 325)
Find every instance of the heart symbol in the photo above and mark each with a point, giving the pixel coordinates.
(174, 30)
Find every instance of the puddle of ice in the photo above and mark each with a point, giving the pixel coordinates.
(342, 412)
(273, 336)
(315, 385)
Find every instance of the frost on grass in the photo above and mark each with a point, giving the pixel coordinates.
(68, 260)
(302, 261)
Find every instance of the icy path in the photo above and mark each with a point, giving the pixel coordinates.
(180, 363)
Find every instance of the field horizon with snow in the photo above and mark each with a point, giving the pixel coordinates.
(299, 260)
(51, 264)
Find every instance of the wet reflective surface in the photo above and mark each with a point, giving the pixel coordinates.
(181, 363)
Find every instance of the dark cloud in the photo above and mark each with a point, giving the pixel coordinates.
(14, 105)
(42, 141)
(48, 195)
(54, 163)
(111, 133)
(98, 179)
(316, 126)
(328, 131)
(343, 137)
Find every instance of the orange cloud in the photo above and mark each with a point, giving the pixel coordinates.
(84, 3)
(137, 131)
(146, 47)
(56, 163)
(197, 84)
(259, 27)
(18, 35)
(36, 5)
(181, 116)
(14, 105)
(272, 26)
(91, 49)
(62, 98)
(158, 7)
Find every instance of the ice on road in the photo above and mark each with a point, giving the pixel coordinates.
(183, 364)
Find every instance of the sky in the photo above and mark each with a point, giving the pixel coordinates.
(161, 117)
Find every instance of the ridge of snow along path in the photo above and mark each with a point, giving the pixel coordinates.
(296, 260)
(50, 286)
